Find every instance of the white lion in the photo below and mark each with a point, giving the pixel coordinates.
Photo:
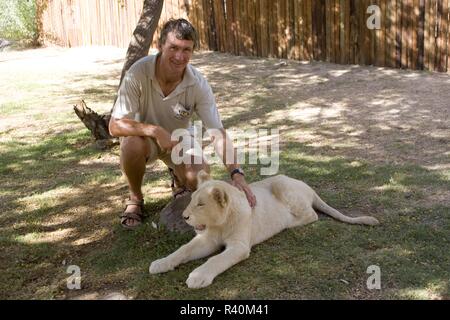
(221, 216)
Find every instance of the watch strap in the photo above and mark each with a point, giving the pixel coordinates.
(237, 170)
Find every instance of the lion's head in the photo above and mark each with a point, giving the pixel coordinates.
(209, 206)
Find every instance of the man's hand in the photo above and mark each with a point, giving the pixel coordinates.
(164, 141)
(239, 182)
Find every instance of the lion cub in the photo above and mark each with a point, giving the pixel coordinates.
(221, 216)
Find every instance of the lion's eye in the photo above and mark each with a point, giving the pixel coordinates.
(200, 204)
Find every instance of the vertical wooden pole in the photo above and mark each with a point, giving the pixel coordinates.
(431, 41)
(328, 33)
(381, 40)
(337, 31)
(421, 36)
(443, 34)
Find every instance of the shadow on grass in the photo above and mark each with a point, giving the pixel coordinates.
(307, 262)
(59, 206)
(300, 263)
(56, 209)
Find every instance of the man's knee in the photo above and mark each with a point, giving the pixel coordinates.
(135, 147)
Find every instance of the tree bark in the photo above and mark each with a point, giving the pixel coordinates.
(143, 34)
(97, 124)
(38, 38)
(139, 46)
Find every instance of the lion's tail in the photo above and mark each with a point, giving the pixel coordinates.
(319, 204)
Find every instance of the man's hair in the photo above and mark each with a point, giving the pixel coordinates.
(182, 29)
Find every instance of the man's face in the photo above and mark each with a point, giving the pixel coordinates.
(176, 53)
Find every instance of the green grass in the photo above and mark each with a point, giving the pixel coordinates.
(60, 197)
(45, 157)
(10, 108)
(311, 262)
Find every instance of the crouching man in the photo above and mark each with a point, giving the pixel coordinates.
(159, 94)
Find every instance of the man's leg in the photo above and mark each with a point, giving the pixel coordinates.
(185, 179)
(134, 152)
(187, 173)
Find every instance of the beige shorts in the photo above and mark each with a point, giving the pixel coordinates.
(156, 153)
(185, 154)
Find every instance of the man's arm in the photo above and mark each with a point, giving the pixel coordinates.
(208, 113)
(126, 127)
(226, 151)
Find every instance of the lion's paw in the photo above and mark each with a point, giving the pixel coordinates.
(160, 266)
(198, 280)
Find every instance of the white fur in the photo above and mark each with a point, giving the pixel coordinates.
(224, 218)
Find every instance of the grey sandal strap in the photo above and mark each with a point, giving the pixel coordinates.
(132, 215)
(130, 202)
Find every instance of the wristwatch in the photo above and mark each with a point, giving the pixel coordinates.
(237, 170)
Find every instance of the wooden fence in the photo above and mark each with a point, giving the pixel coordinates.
(74, 23)
(413, 34)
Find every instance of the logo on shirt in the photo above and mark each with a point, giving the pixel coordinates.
(181, 112)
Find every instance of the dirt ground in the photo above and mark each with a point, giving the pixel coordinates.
(367, 111)
(375, 115)
(379, 115)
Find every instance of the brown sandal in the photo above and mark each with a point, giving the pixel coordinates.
(131, 215)
(181, 192)
(178, 191)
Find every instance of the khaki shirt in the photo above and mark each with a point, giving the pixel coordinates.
(140, 98)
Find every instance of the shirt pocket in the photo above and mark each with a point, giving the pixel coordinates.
(181, 110)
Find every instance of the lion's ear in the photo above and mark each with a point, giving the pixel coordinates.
(202, 176)
(220, 196)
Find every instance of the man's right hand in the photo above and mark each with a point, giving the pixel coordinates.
(127, 127)
(163, 138)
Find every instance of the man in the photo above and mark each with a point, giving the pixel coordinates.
(158, 95)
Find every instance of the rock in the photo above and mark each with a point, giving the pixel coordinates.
(104, 144)
(171, 216)
(280, 64)
(4, 44)
(96, 296)
(114, 296)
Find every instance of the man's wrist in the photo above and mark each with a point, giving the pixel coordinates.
(156, 132)
(152, 131)
(237, 171)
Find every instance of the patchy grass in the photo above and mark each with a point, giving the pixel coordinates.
(11, 108)
(366, 139)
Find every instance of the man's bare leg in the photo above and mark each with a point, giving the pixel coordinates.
(171, 215)
(187, 173)
(134, 152)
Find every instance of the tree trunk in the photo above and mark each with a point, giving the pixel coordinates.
(138, 48)
(143, 34)
(38, 38)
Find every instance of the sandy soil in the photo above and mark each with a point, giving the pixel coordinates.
(360, 111)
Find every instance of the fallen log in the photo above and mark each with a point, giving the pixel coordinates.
(97, 125)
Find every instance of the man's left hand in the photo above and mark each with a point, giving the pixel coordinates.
(239, 182)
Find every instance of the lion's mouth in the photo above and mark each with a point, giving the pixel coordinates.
(200, 227)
